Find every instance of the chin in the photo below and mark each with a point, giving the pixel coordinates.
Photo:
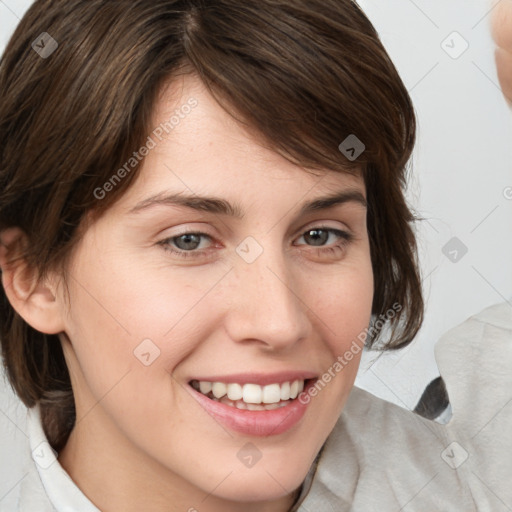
(266, 480)
(258, 488)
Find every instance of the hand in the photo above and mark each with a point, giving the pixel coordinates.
(502, 32)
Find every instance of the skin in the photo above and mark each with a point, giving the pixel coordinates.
(501, 22)
(141, 441)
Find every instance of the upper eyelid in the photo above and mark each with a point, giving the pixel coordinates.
(319, 223)
(308, 227)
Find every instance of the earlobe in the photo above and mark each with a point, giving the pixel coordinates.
(36, 302)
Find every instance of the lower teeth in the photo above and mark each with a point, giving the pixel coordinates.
(240, 404)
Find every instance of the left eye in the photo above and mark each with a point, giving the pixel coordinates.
(319, 236)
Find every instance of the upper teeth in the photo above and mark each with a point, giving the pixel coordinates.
(252, 393)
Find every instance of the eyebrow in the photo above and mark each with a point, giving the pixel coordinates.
(221, 206)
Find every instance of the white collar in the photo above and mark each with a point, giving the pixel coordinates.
(63, 493)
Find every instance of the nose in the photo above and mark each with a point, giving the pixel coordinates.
(267, 305)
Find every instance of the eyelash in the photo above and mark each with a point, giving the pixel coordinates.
(346, 239)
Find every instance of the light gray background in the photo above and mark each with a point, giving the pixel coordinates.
(461, 167)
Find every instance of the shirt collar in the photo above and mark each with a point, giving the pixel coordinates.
(62, 492)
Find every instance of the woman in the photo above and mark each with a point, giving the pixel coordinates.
(202, 222)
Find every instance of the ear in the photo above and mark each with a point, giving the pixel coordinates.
(37, 303)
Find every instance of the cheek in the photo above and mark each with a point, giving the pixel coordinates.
(342, 307)
(344, 304)
(346, 312)
(123, 305)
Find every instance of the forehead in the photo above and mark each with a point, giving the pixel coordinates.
(198, 145)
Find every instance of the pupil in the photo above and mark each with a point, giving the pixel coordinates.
(319, 236)
(190, 240)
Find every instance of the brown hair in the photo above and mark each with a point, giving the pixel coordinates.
(303, 74)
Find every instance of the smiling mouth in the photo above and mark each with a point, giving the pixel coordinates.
(251, 397)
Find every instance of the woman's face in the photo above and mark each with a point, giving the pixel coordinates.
(253, 297)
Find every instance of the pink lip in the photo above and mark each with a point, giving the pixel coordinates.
(254, 423)
(258, 378)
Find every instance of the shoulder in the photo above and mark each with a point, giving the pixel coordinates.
(379, 428)
(32, 495)
(493, 326)
(383, 457)
(475, 361)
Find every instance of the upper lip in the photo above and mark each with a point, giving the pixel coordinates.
(258, 378)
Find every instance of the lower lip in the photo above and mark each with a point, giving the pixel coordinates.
(254, 423)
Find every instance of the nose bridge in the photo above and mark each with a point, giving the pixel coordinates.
(267, 307)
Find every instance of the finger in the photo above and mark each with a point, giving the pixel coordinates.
(501, 21)
(504, 65)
